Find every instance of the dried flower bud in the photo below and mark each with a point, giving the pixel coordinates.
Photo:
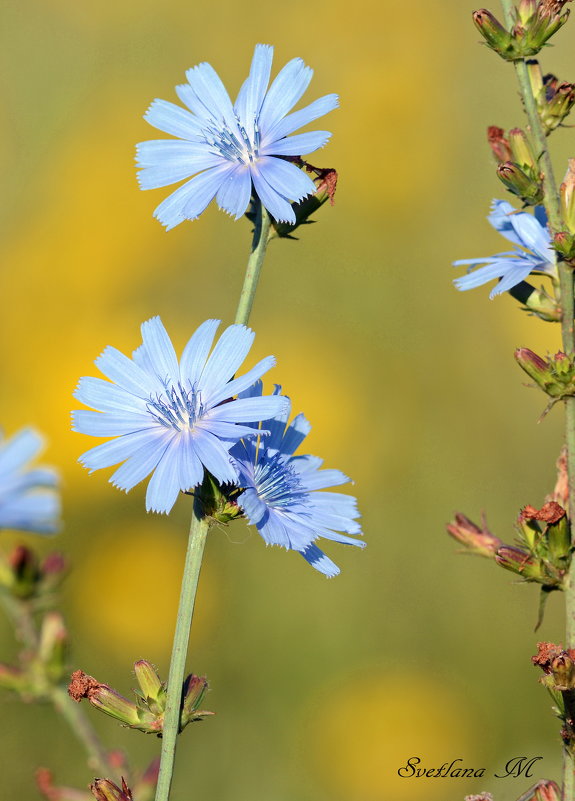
(546, 791)
(480, 797)
(498, 144)
(476, 540)
(107, 700)
(106, 790)
(560, 492)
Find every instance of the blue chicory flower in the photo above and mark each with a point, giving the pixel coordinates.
(279, 491)
(234, 148)
(534, 254)
(172, 418)
(28, 497)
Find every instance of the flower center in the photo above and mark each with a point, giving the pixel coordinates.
(177, 408)
(225, 142)
(277, 483)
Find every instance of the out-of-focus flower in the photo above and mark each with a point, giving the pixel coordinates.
(28, 497)
(234, 148)
(534, 254)
(172, 418)
(279, 495)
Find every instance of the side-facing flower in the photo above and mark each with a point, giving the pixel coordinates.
(534, 254)
(172, 418)
(28, 497)
(279, 491)
(233, 150)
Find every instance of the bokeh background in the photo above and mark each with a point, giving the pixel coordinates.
(322, 689)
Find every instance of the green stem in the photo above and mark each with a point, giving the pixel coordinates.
(262, 235)
(73, 713)
(553, 208)
(196, 542)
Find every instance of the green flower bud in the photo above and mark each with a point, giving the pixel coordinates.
(564, 244)
(555, 375)
(567, 194)
(53, 646)
(519, 561)
(152, 689)
(522, 183)
(195, 687)
(522, 153)
(495, 35)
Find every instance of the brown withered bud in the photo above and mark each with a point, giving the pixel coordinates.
(480, 797)
(547, 653)
(82, 685)
(551, 512)
(476, 540)
(499, 144)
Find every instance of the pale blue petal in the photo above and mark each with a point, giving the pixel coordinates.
(196, 352)
(19, 449)
(491, 271)
(256, 510)
(273, 530)
(288, 87)
(235, 191)
(500, 219)
(279, 207)
(188, 202)
(190, 468)
(173, 120)
(286, 178)
(224, 430)
(165, 174)
(212, 95)
(295, 434)
(122, 371)
(160, 351)
(298, 119)
(297, 145)
(510, 279)
(532, 235)
(141, 463)
(320, 561)
(226, 358)
(241, 384)
(37, 512)
(246, 410)
(323, 479)
(215, 457)
(252, 93)
(21, 481)
(109, 424)
(173, 152)
(164, 486)
(107, 397)
(119, 449)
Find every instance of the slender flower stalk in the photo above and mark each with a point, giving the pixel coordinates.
(196, 542)
(553, 208)
(262, 235)
(82, 728)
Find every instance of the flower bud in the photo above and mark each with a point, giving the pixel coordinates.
(563, 672)
(495, 35)
(480, 797)
(152, 689)
(564, 244)
(498, 144)
(536, 301)
(521, 150)
(546, 791)
(106, 790)
(107, 700)
(53, 646)
(520, 183)
(555, 375)
(195, 688)
(476, 540)
(13, 679)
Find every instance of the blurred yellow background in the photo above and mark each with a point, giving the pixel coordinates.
(322, 689)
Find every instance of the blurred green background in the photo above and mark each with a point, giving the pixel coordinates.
(322, 689)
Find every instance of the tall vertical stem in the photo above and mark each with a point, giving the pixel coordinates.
(262, 232)
(553, 209)
(196, 542)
